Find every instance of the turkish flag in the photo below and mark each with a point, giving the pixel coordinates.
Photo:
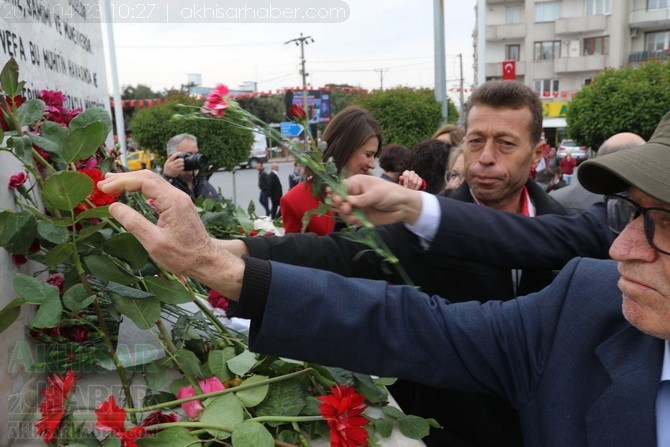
(509, 70)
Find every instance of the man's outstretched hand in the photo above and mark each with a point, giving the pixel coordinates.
(179, 241)
(381, 201)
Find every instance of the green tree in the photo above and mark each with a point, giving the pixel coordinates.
(270, 109)
(406, 115)
(341, 96)
(223, 143)
(620, 100)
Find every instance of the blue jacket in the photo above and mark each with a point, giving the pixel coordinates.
(577, 371)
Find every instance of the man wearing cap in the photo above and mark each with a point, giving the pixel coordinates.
(578, 369)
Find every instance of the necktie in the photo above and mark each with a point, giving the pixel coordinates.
(663, 414)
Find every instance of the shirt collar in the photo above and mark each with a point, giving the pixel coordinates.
(665, 374)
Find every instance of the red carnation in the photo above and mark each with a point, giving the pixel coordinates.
(57, 280)
(19, 259)
(17, 180)
(97, 197)
(52, 407)
(342, 410)
(158, 417)
(217, 301)
(112, 418)
(296, 113)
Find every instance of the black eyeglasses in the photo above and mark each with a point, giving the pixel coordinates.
(621, 210)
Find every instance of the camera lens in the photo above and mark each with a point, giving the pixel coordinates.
(195, 161)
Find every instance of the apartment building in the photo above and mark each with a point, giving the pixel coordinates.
(558, 46)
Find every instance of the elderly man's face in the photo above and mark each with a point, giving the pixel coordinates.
(645, 273)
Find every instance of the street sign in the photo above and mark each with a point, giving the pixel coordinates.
(289, 129)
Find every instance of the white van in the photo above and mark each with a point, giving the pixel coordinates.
(258, 151)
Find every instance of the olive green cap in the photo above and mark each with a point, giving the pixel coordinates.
(647, 167)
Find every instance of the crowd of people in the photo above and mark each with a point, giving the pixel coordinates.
(509, 341)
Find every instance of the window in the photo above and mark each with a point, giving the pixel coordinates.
(513, 14)
(596, 45)
(549, 49)
(588, 81)
(512, 52)
(545, 87)
(657, 41)
(598, 7)
(657, 4)
(547, 11)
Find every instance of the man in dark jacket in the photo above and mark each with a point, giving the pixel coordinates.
(502, 143)
(275, 191)
(263, 187)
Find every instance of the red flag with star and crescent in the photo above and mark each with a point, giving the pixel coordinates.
(509, 70)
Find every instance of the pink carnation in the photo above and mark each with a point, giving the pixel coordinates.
(193, 408)
(216, 103)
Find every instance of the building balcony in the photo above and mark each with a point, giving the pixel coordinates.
(498, 2)
(579, 25)
(494, 69)
(642, 56)
(645, 19)
(506, 32)
(595, 62)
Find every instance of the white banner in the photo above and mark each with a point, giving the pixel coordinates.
(58, 47)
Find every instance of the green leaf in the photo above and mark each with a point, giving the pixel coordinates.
(170, 437)
(225, 411)
(30, 112)
(393, 412)
(253, 396)
(58, 254)
(367, 387)
(75, 298)
(285, 398)
(252, 434)
(128, 292)
(105, 269)
(384, 427)
(17, 231)
(413, 427)
(51, 138)
(144, 313)
(242, 364)
(83, 142)
(216, 361)
(65, 190)
(52, 233)
(10, 313)
(92, 115)
(126, 247)
(188, 362)
(156, 376)
(99, 212)
(171, 292)
(23, 148)
(33, 290)
(9, 78)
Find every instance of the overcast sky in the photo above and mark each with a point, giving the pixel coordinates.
(390, 38)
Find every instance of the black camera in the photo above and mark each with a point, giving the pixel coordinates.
(194, 161)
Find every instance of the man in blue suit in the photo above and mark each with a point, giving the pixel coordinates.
(578, 369)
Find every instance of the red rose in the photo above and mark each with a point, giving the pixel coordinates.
(158, 417)
(19, 259)
(217, 301)
(296, 113)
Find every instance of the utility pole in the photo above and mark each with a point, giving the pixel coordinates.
(460, 113)
(381, 76)
(440, 56)
(301, 42)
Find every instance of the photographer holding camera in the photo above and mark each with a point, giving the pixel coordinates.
(183, 165)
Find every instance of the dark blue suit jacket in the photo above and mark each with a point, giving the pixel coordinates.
(481, 234)
(577, 371)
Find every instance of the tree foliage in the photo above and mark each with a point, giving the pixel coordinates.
(223, 143)
(620, 100)
(270, 109)
(406, 115)
(341, 96)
